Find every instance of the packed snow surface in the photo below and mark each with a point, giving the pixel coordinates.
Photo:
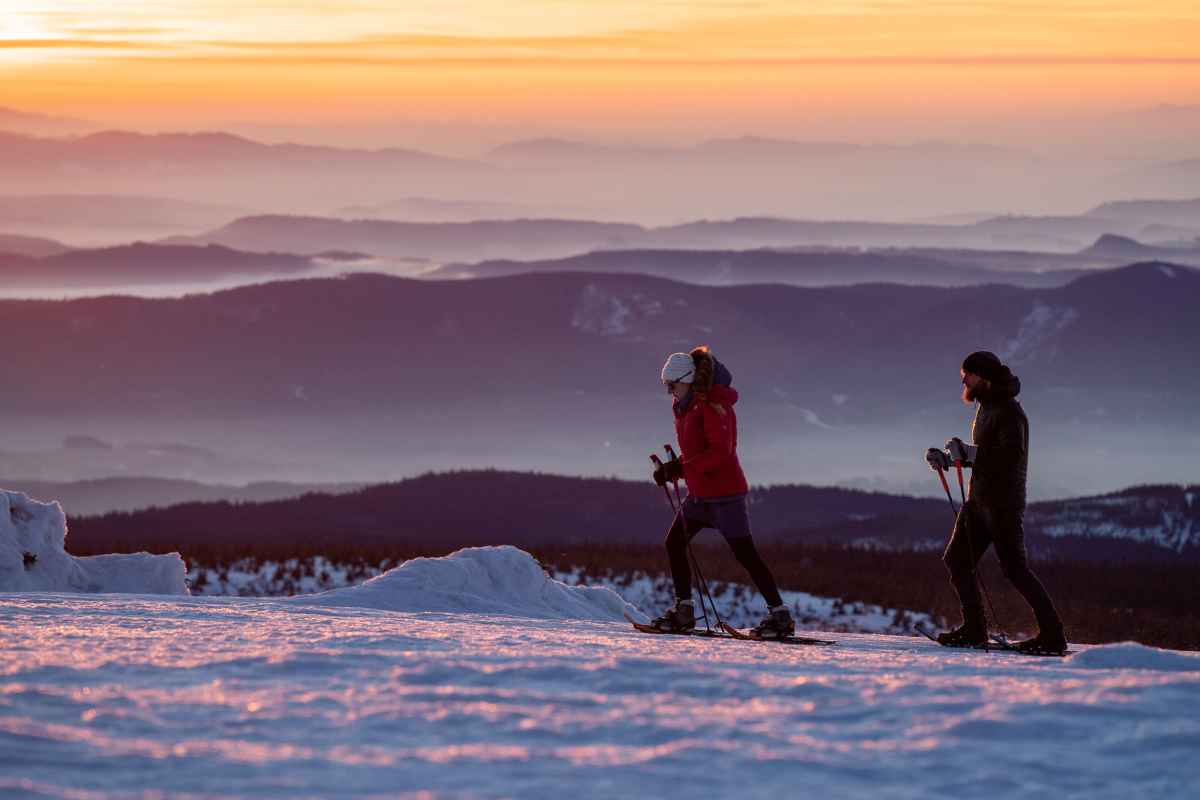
(33, 557)
(379, 693)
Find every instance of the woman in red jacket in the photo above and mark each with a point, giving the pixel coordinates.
(706, 426)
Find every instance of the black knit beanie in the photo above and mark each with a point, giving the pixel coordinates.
(987, 366)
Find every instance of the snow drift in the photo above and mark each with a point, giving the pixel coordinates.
(33, 557)
(1132, 655)
(500, 580)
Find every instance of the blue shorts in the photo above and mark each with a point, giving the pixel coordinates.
(729, 515)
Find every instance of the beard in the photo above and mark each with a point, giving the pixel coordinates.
(970, 395)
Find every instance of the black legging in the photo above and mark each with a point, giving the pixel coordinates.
(743, 549)
(975, 529)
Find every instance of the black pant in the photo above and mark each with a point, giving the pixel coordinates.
(975, 529)
(743, 548)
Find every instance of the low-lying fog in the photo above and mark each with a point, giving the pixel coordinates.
(1065, 460)
(325, 268)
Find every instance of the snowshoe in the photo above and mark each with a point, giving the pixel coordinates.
(679, 618)
(1050, 641)
(972, 633)
(776, 625)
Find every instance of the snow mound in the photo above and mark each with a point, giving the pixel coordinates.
(500, 580)
(1131, 655)
(33, 557)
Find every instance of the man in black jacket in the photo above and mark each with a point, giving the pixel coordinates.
(995, 508)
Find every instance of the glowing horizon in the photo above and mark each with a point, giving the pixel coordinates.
(614, 67)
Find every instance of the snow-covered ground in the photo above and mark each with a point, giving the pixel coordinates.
(476, 675)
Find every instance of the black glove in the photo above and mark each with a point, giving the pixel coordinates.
(669, 472)
(675, 470)
(961, 451)
(938, 459)
(660, 475)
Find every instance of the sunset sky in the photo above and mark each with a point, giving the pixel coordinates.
(613, 68)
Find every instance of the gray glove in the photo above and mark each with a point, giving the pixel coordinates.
(961, 451)
(938, 459)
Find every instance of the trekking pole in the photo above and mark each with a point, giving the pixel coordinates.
(658, 465)
(695, 566)
(704, 590)
(946, 486)
(949, 498)
(678, 512)
(962, 491)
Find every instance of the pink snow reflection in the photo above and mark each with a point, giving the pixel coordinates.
(473, 752)
(104, 744)
(611, 755)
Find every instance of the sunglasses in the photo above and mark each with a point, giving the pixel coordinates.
(671, 384)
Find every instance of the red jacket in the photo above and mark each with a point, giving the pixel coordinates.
(707, 433)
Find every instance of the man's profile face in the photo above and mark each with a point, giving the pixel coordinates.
(973, 386)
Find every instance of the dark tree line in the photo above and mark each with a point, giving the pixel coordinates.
(491, 507)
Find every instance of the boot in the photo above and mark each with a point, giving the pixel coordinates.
(1051, 641)
(679, 618)
(972, 633)
(778, 624)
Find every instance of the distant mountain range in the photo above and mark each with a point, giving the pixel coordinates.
(793, 267)
(529, 238)
(31, 246)
(261, 341)
(433, 209)
(652, 185)
(142, 263)
(109, 219)
(1167, 517)
(1184, 213)
(1043, 239)
(1140, 524)
(104, 495)
(28, 123)
(546, 152)
(223, 169)
(181, 151)
(1162, 220)
(719, 253)
(1110, 246)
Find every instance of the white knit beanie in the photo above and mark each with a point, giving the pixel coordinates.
(678, 369)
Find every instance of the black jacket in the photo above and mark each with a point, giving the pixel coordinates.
(1001, 432)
